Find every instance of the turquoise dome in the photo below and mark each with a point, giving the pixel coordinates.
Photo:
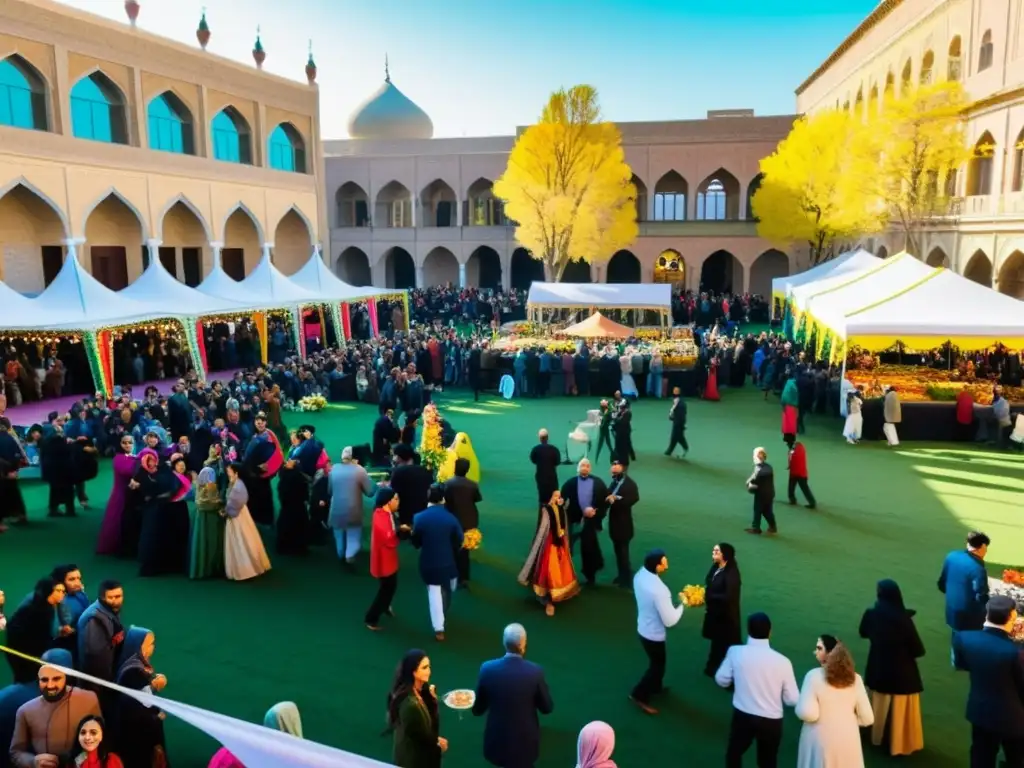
(389, 114)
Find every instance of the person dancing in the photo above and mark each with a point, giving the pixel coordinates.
(548, 569)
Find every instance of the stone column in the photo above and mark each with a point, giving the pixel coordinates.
(72, 245)
(462, 275)
(419, 277)
(215, 249)
(414, 204)
(153, 249)
(267, 255)
(458, 213)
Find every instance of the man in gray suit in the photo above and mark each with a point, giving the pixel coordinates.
(348, 483)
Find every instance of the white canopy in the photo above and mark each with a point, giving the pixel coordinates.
(221, 285)
(266, 286)
(847, 263)
(164, 295)
(14, 307)
(601, 295)
(800, 295)
(316, 278)
(944, 307)
(829, 308)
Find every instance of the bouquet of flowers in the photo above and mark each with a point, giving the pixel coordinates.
(693, 595)
(472, 539)
(432, 452)
(1011, 576)
(313, 403)
(1017, 634)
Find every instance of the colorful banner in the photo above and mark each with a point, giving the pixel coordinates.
(323, 326)
(405, 308)
(371, 310)
(259, 319)
(106, 344)
(339, 331)
(194, 337)
(300, 337)
(346, 320)
(96, 367)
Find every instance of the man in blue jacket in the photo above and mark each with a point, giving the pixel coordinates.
(964, 582)
(436, 533)
(995, 704)
(511, 691)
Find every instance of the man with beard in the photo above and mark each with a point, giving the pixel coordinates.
(261, 462)
(46, 728)
(585, 508)
(100, 632)
(622, 496)
(16, 694)
(546, 458)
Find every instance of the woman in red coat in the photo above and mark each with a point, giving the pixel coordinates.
(384, 535)
(711, 387)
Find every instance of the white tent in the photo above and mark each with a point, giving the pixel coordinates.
(76, 300)
(827, 310)
(266, 286)
(800, 295)
(222, 286)
(14, 307)
(165, 295)
(847, 263)
(316, 278)
(600, 296)
(944, 307)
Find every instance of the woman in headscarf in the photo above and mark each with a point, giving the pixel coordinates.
(33, 627)
(125, 466)
(206, 558)
(892, 674)
(413, 716)
(548, 569)
(282, 717)
(138, 730)
(163, 540)
(262, 461)
(722, 600)
(12, 459)
(244, 554)
(595, 746)
(293, 501)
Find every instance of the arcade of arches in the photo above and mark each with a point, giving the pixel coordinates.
(292, 243)
(353, 266)
(979, 269)
(623, 267)
(483, 268)
(1011, 275)
(440, 267)
(31, 241)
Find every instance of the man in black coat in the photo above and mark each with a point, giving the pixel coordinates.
(677, 415)
(622, 427)
(461, 495)
(761, 484)
(585, 507)
(56, 464)
(385, 434)
(995, 704)
(623, 495)
(411, 482)
(474, 370)
(546, 458)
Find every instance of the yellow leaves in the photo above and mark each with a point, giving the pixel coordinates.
(568, 186)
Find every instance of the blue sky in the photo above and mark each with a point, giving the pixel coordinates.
(482, 68)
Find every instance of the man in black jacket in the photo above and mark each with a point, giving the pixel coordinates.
(995, 704)
(411, 482)
(622, 496)
(585, 503)
(546, 458)
(461, 495)
(762, 485)
(677, 415)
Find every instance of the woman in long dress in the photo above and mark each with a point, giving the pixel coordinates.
(548, 569)
(164, 538)
(834, 706)
(854, 426)
(206, 558)
(138, 730)
(711, 385)
(293, 500)
(125, 467)
(627, 385)
(722, 588)
(244, 554)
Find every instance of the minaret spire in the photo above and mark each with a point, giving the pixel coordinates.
(387, 70)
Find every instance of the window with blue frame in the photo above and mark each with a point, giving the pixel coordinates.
(170, 125)
(287, 150)
(22, 95)
(97, 110)
(231, 137)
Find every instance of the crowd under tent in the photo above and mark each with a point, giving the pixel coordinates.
(548, 301)
(845, 264)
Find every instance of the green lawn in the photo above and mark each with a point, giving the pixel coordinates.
(297, 633)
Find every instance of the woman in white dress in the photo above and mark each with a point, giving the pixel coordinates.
(627, 386)
(244, 554)
(833, 705)
(853, 428)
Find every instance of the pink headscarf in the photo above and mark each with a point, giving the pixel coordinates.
(595, 746)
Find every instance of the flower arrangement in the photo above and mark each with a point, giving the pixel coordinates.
(312, 403)
(918, 384)
(1017, 633)
(693, 595)
(472, 539)
(432, 453)
(649, 334)
(1011, 576)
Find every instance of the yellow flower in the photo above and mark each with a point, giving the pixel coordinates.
(693, 595)
(472, 539)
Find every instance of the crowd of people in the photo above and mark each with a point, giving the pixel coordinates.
(220, 445)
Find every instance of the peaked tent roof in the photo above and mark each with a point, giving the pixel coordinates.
(608, 295)
(315, 277)
(268, 286)
(597, 326)
(163, 293)
(920, 317)
(77, 300)
(14, 307)
(847, 263)
(800, 295)
(222, 286)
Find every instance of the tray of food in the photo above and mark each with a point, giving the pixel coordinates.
(462, 698)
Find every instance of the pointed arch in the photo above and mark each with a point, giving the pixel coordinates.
(906, 76)
(98, 109)
(937, 258)
(112, 191)
(954, 68)
(927, 66)
(180, 198)
(115, 241)
(32, 238)
(232, 137)
(718, 197)
(393, 208)
(986, 51)
(769, 265)
(1017, 182)
(293, 241)
(755, 184)
(858, 104)
(23, 94)
(21, 181)
(671, 193)
(623, 267)
(439, 204)
(287, 149)
(170, 124)
(481, 208)
(440, 267)
(483, 268)
(352, 206)
(981, 166)
(979, 268)
(240, 206)
(1011, 275)
(301, 214)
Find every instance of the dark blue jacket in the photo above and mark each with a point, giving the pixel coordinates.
(964, 582)
(436, 533)
(996, 666)
(511, 691)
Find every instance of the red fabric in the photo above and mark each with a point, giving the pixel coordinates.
(201, 343)
(93, 761)
(346, 321)
(964, 407)
(436, 361)
(275, 462)
(555, 576)
(789, 414)
(711, 387)
(798, 461)
(371, 310)
(383, 544)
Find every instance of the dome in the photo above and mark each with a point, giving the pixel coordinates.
(389, 114)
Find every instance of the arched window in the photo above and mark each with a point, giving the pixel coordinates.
(980, 166)
(170, 125)
(890, 86)
(97, 110)
(711, 202)
(858, 104)
(232, 141)
(1018, 163)
(986, 52)
(927, 65)
(287, 150)
(22, 95)
(906, 77)
(953, 67)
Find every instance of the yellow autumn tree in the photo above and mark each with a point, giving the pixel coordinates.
(567, 185)
(911, 150)
(810, 190)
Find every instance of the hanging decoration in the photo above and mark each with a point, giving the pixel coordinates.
(196, 342)
(346, 320)
(323, 327)
(259, 319)
(339, 330)
(105, 339)
(298, 332)
(405, 308)
(371, 310)
(92, 353)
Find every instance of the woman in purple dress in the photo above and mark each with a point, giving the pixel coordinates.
(125, 466)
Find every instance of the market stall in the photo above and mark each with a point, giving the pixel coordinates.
(845, 264)
(547, 302)
(597, 326)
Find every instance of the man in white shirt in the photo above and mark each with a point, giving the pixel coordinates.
(764, 684)
(655, 613)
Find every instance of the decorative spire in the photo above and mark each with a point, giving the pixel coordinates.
(387, 70)
(203, 31)
(311, 66)
(258, 54)
(131, 7)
